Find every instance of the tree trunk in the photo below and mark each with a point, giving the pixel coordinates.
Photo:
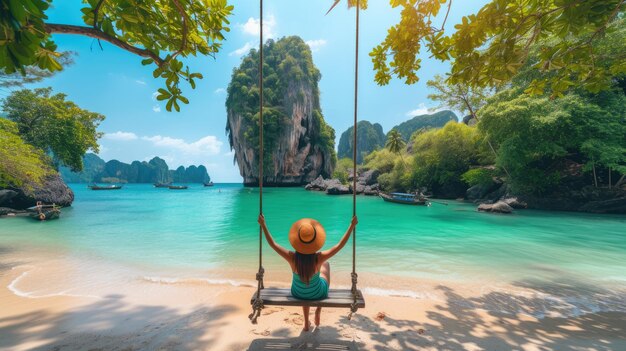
(620, 181)
(610, 183)
(595, 178)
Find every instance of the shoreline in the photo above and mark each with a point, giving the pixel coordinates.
(130, 313)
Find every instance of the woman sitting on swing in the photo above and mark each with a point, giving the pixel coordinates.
(310, 268)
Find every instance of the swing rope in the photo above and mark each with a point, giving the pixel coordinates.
(257, 304)
(354, 276)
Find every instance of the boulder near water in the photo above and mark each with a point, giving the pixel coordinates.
(52, 191)
(498, 207)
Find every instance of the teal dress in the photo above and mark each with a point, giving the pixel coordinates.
(317, 288)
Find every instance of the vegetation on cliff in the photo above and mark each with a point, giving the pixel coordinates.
(114, 171)
(435, 120)
(21, 164)
(370, 137)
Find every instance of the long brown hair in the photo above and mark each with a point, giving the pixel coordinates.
(305, 266)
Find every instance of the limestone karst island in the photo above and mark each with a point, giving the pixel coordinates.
(312, 175)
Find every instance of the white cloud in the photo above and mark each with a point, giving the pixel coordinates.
(422, 110)
(316, 44)
(154, 95)
(156, 108)
(209, 145)
(230, 153)
(140, 82)
(120, 136)
(220, 91)
(251, 27)
(242, 50)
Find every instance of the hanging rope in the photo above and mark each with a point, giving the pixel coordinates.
(257, 305)
(354, 307)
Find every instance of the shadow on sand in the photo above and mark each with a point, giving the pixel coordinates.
(110, 324)
(457, 324)
(487, 322)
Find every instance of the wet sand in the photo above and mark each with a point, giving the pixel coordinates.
(117, 310)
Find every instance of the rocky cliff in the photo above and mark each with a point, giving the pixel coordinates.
(156, 170)
(369, 136)
(299, 145)
(52, 191)
(435, 120)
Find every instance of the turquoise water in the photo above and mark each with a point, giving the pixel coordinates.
(213, 228)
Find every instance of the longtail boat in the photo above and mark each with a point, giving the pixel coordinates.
(405, 199)
(43, 212)
(178, 187)
(162, 185)
(208, 184)
(105, 187)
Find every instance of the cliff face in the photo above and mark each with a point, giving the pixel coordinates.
(299, 145)
(369, 136)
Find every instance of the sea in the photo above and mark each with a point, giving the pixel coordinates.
(572, 263)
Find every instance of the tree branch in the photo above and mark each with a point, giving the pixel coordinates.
(183, 14)
(95, 13)
(98, 34)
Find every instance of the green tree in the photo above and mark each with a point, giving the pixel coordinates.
(21, 164)
(459, 97)
(535, 135)
(462, 97)
(343, 170)
(54, 125)
(442, 156)
(163, 32)
(395, 143)
(487, 49)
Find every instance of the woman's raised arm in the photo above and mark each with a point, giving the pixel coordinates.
(327, 254)
(284, 253)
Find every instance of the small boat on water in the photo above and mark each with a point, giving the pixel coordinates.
(406, 199)
(178, 187)
(105, 187)
(208, 184)
(43, 212)
(162, 185)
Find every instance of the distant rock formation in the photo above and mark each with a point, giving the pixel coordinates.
(92, 166)
(299, 145)
(156, 170)
(370, 137)
(435, 120)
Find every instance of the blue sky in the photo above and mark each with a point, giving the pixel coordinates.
(113, 82)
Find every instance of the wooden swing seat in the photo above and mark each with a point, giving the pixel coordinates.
(339, 298)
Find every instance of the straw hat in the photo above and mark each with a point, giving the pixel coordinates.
(307, 236)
